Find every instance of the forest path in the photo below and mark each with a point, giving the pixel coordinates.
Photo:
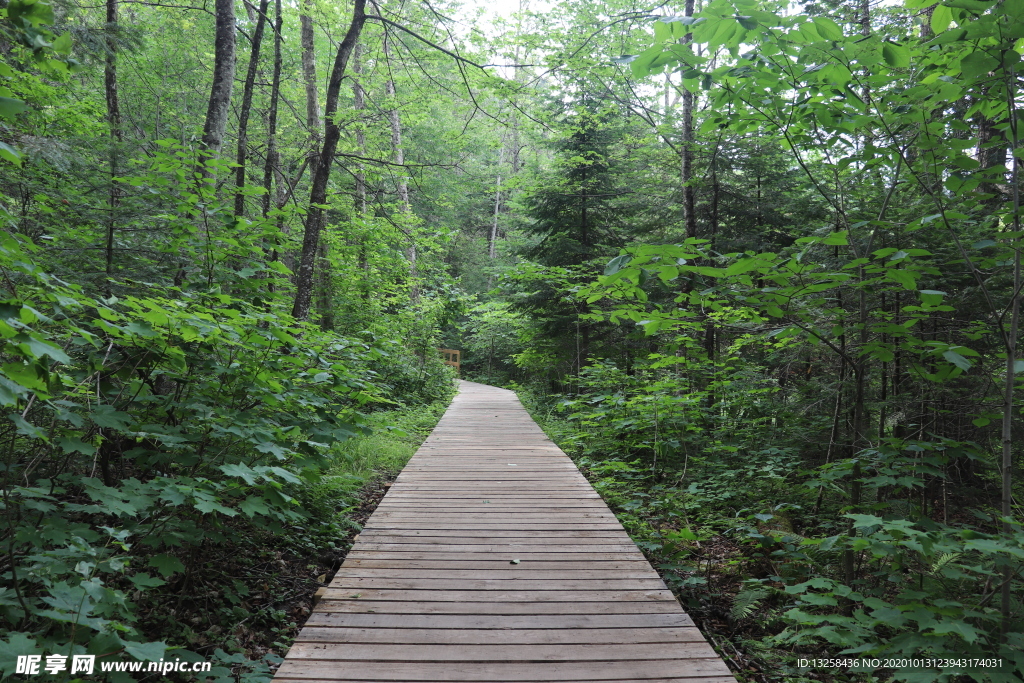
(491, 558)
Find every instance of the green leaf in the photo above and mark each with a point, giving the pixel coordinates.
(143, 581)
(152, 652)
(896, 55)
(977, 64)
(167, 564)
(957, 360)
(836, 238)
(62, 45)
(39, 348)
(16, 644)
(828, 29)
(10, 154)
(616, 264)
(76, 445)
(748, 23)
(27, 428)
(662, 32)
(942, 17)
(107, 416)
(254, 505)
(242, 471)
(11, 107)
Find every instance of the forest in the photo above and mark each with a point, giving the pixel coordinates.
(755, 265)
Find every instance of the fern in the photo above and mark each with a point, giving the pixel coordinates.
(943, 560)
(746, 601)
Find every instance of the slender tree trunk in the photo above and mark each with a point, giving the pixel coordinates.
(398, 156)
(309, 80)
(1011, 355)
(324, 279)
(114, 122)
(243, 116)
(271, 163)
(689, 214)
(318, 190)
(493, 246)
(359, 104)
(223, 76)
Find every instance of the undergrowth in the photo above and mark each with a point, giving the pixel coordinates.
(774, 572)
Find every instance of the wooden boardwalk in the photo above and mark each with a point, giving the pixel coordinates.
(491, 558)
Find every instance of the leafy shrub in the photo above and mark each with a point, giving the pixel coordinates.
(142, 432)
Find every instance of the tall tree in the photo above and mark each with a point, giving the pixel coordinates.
(243, 115)
(304, 281)
(114, 124)
(223, 76)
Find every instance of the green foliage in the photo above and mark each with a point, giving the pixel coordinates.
(143, 429)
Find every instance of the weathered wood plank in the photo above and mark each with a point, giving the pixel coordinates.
(370, 670)
(492, 559)
(460, 652)
(509, 624)
(475, 636)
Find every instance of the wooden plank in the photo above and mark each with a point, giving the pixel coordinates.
(507, 623)
(593, 671)
(492, 559)
(577, 607)
(434, 635)
(533, 596)
(495, 572)
(522, 582)
(571, 652)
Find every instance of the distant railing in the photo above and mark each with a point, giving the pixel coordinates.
(451, 357)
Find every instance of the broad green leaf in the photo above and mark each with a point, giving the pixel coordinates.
(166, 564)
(828, 29)
(152, 652)
(241, 471)
(978, 63)
(662, 32)
(143, 581)
(11, 107)
(254, 505)
(62, 45)
(748, 23)
(895, 55)
(957, 360)
(942, 17)
(10, 154)
(76, 445)
(108, 416)
(617, 263)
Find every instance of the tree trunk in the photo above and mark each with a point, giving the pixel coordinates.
(398, 156)
(318, 191)
(324, 281)
(271, 162)
(114, 122)
(493, 250)
(359, 104)
(309, 79)
(243, 116)
(689, 215)
(1011, 362)
(223, 76)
